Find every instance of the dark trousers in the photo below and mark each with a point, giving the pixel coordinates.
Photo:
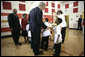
(15, 35)
(63, 32)
(24, 34)
(35, 42)
(79, 26)
(44, 43)
(57, 48)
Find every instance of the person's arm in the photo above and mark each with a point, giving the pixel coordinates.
(22, 24)
(39, 19)
(58, 38)
(19, 22)
(10, 21)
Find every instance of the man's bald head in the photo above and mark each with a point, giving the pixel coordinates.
(15, 11)
(42, 5)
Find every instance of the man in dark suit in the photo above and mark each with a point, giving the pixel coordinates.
(35, 24)
(79, 23)
(14, 26)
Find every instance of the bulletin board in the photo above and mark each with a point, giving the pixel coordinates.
(4, 22)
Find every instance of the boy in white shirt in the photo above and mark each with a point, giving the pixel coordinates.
(45, 36)
(28, 33)
(63, 24)
(57, 37)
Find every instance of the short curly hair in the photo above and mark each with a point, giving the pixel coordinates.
(59, 11)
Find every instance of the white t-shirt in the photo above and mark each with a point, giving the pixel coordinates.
(57, 30)
(28, 31)
(63, 24)
(46, 32)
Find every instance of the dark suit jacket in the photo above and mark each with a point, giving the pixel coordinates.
(14, 22)
(80, 20)
(35, 20)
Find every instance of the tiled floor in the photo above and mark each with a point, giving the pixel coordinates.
(73, 46)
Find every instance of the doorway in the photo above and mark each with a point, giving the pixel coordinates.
(67, 20)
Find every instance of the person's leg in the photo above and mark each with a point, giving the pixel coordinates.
(32, 40)
(14, 36)
(63, 32)
(28, 38)
(55, 49)
(25, 39)
(46, 44)
(42, 42)
(17, 37)
(78, 26)
(58, 49)
(24, 34)
(35, 42)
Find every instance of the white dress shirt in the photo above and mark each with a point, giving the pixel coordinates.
(28, 31)
(46, 32)
(57, 31)
(63, 24)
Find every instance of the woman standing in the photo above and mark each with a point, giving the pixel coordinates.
(23, 24)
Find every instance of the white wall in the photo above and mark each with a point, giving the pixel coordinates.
(32, 4)
(75, 16)
(29, 5)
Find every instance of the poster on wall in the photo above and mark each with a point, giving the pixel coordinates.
(75, 4)
(66, 6)
(7, 5)
(75, 10)
(4, 22)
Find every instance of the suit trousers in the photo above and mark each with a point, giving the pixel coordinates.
(57, 48)
(15, 35)
(35, 41)
(63, 32)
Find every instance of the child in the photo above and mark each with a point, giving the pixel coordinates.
(57, 38)
(45, 37)
(28, 33)
(24, 23)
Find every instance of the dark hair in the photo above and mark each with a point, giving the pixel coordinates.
(60, 12)
(24, 14)
(46, 19)
(59, 20)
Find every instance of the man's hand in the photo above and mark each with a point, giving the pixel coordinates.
(42, 30)
(49, 27)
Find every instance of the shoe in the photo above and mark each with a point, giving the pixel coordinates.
(29, 41)
(46, 49)
(19, 44)
(56, 54)
(38, 53)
